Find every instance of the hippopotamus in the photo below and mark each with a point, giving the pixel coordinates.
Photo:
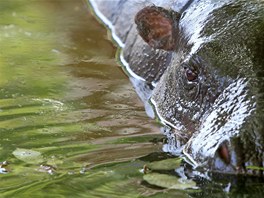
(200, 64)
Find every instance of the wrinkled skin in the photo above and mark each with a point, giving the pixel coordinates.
(208, 84)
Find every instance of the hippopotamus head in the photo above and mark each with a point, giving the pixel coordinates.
(202, 64)
(211, 93)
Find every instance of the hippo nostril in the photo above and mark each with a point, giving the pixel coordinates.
(224, 153)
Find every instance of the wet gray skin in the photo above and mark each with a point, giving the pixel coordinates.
(209, 88)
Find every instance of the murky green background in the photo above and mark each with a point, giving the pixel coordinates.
(71, 124)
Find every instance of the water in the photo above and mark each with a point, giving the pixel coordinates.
(71, 124)
(66, 107)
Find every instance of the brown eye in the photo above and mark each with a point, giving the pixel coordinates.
(190, 75)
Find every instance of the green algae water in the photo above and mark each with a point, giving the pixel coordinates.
(71, 124)
(70, 121)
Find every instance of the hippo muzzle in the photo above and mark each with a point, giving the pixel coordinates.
(226, 133)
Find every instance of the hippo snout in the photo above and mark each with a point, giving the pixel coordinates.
(225, 141)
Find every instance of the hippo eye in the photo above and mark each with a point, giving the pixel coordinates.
(190, 74)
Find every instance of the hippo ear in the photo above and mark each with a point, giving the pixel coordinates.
(158, 27)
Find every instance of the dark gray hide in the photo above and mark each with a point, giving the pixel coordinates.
(218, 118)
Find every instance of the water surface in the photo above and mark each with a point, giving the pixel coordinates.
(70, 121)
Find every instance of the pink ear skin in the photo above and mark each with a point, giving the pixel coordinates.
(158, 27)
